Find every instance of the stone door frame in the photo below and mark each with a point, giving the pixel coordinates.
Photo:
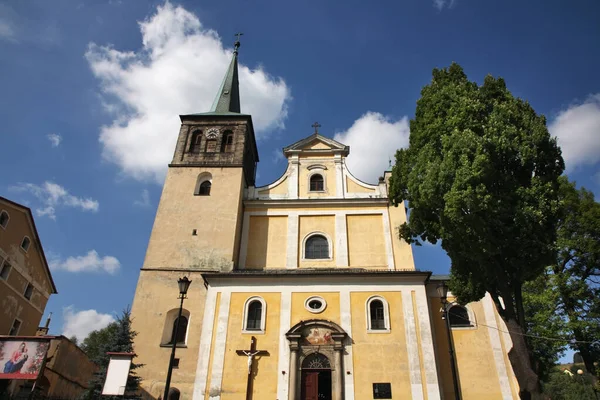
(333, 350)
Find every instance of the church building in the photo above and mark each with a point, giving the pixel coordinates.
(301, 289)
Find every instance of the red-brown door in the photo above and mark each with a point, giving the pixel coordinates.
(310, 385)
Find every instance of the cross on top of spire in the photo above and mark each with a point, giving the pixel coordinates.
(316, 125)
(237, 43)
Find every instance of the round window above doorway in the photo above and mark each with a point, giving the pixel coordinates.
(315, 304)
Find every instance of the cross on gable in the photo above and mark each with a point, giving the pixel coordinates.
(251, 353)
(316, 125)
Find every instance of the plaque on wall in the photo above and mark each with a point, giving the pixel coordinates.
(382, 390)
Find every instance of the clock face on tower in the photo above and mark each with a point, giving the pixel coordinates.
(212, 133)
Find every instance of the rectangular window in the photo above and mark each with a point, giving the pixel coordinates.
(382, 390)
(14, 330)
(5, 270)
(28, 291)
(176, 363)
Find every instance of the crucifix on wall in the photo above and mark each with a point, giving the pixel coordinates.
(250, 354)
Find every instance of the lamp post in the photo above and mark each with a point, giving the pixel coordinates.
(184, 284)
(442, 290)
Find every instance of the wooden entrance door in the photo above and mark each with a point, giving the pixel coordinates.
(310, 385)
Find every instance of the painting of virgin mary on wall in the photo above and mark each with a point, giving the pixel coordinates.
(22, 358)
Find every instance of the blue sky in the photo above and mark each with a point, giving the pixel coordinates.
(91, 90)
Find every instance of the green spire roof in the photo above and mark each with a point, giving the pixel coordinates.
(228, 96)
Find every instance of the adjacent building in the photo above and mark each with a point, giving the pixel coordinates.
(301, 288)
(25, 279)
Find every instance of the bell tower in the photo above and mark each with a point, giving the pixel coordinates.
(197, 229)
(198, 220)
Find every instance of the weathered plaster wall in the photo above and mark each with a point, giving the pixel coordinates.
(366, 243)
(267, 240)
(215, 218)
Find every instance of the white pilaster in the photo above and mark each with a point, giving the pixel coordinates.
(205, 345)
(291, 260)
(501, 368)
(387, 237)
(244, 244)
(414, 364)
(346, 323)
(293, 178)
(341, 240)
(339, 176)
(284, 348)
(216, 376)
(429, 361)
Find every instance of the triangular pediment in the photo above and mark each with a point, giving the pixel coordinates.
(317, 143)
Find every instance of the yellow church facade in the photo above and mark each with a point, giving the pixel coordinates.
(301, 288)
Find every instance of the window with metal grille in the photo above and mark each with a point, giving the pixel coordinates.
(459, 316)
(182, 323)
(316, 183)
(253, 316)
(316, 247)
(205, 188)
(382, 390)
(227, 142)
(377, 315)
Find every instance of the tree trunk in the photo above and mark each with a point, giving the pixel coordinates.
(528, 380)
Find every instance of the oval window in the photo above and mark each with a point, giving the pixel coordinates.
(315, 304)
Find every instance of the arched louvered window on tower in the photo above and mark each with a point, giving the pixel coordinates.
(227, 142)
(195, 141)
(459, 316)
(254, 314)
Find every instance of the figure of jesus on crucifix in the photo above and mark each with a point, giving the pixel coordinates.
(250, 354)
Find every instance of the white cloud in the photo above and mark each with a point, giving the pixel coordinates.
(6, 31)
(577, 129)
(91, 262)
(177, 71)
(81, 323)
(54, 139)
(53, 195)
(144, 201)
(441, 4)
(373, 140)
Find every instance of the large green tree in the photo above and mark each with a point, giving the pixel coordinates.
(117, 337)
(576, 273)
(481, 175)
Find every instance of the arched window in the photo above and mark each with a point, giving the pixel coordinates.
(316, 247)
(25, 243)
(180, 325)
(459, 316)
(4, 217)
(227, 142)
(378, 317)
(316, 361)
(205, 188)
(254, 314)
(316, 183)
(203, 184)
(195, 142)
(211, 145)
(168, 334)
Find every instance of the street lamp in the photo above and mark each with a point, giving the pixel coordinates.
(442, 290)
(184, 284)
